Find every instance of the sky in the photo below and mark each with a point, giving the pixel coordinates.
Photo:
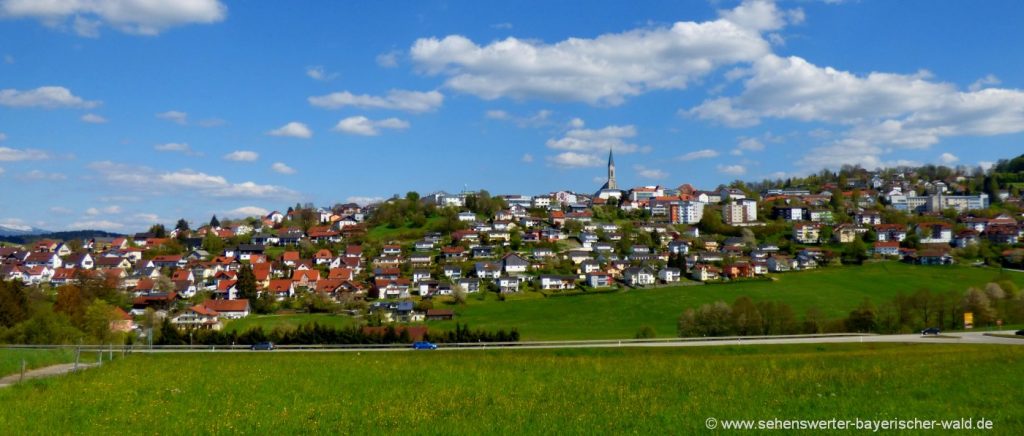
(117, 114)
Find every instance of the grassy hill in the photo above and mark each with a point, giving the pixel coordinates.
(623, 390)
(835, 291)
(291, 321)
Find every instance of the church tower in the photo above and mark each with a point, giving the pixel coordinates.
(611, 171)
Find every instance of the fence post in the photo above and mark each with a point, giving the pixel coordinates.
(78, 353)
(110, 352)
(23, 365)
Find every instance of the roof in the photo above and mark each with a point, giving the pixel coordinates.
(240, 305)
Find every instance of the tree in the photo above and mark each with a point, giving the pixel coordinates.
(214, 222)
(814, 321)
(746, 318)
(246, 283)
(13, 303)
(98, 317)
(181, 226)
(863, 318)
(459, 295)
(71, 302)
(646, 332)
(976, 302)
(158, 231)
(213, 244)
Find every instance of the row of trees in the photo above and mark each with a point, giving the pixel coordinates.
(318, 334)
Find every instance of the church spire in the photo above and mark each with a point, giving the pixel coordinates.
(611, 170)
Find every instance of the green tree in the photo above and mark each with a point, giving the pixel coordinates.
(746, 318)
(14, 306)
(181, 226)
(864, 318)
(213, 244)
(158, 231)
(98, 317)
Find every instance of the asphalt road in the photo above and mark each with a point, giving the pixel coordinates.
(948, 338)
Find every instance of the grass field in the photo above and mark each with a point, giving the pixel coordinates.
(270, 322)
(10, 358)
(836, 291)
(522, 391)
(384, 233)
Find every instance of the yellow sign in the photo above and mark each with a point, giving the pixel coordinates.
(968, 320)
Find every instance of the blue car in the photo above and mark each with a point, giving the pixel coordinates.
(423, 345)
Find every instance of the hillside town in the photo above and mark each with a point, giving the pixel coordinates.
(390, 259)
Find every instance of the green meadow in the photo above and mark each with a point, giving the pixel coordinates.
(835, 291)
(575, 391)
(11, 358)
(290, 321)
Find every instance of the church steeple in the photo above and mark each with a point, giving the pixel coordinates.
(611, 170)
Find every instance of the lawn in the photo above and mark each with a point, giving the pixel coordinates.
(835, 291)
(291, 321)
(623, 390)
(10, 358)
(385, 233)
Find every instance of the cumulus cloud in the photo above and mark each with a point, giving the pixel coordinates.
(175, 116)
(245, 212)
(142, 17)
(281, 168)
(363, 201)
(572, 159)
(604, 70)
(8, 154)
(733, 170)
(242, 156)
(948, 158)
(106, 210)
(293, 129)
(527, 158)
(984, 82)
(540, 118)
(176, 147)
(389, 59)
(46, 97)
(881, 111)
(318, 72)
(396, 99)
(699, 154)
(360, 125)
(186, 180)
(93, 119)
(649, 173)
(38, 175)
(591, 140)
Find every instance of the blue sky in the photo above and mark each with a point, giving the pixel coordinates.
(115, 114)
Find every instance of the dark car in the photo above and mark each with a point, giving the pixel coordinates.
(930, 331)
(423, 345)
(262, 346)
(1019, 333)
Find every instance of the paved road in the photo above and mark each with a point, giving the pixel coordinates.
(48, 371)
(948, 338)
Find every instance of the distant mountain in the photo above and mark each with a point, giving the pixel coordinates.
(16, 230)
(25, 238)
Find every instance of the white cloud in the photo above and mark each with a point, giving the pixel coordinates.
(360, 125)
(497, 115)
(948, 158)
(389, 59)
(176, 147)
(750, 144)
(245, 212)
(571, 159)
(604, 70)
(211, 122)
(699, 154)
(986, 165)
(318, 72)
(363, 201)
(107, 210)
(592, 140)
(8, 154)
(39, 175)
(47, 97)
(528, 158)
(242, 156)
(185, 181)
(650, 173)
(293, 129)
(281, 168)
(61, 210)
(984, 82)
(576, 123)
(734, 170)
(93, 119)
(142, 17)
(96, 225)
(175, 116)
(396, 99)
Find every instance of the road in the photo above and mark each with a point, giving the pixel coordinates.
(948, 338)
(48, 371)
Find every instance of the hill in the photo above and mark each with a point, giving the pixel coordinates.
(60, 236)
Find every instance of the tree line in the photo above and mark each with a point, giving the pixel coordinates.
(318, 334)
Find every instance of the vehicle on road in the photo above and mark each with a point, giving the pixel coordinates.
(931, 331)
(424, 345)
(262, 346)
(1019, 333)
